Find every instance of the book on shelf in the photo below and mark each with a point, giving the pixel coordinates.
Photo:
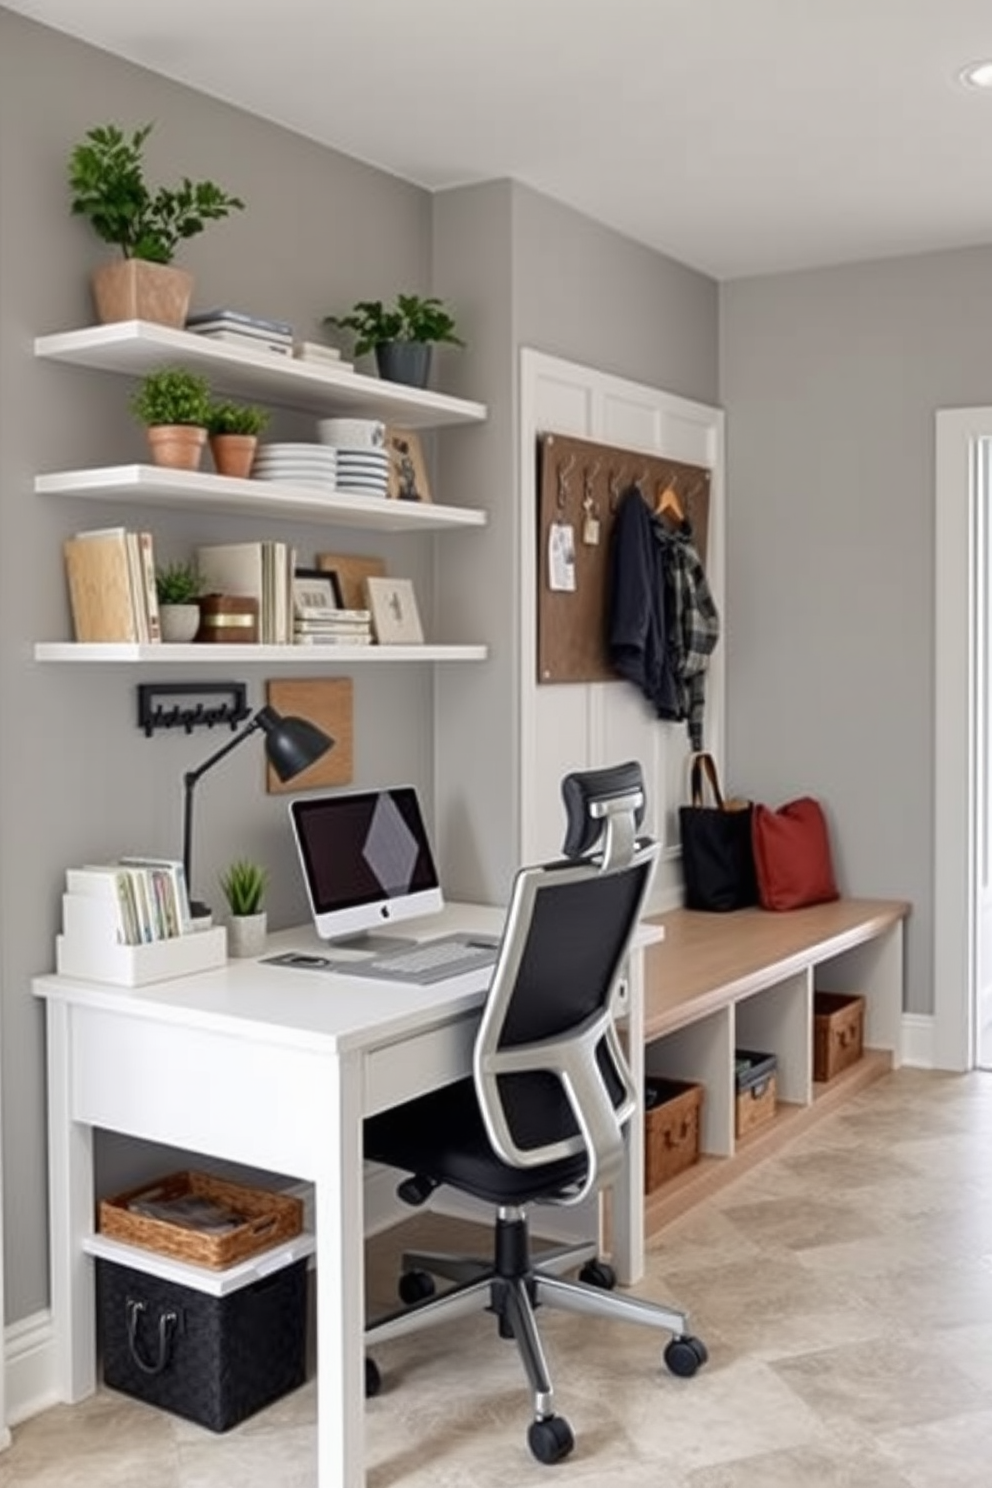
(258, 570)
(332, 638)
(307, 613)
(111, 578)
(238, 319)
(326, 356)
(250, 342)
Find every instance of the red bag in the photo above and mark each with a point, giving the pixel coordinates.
(792, 855)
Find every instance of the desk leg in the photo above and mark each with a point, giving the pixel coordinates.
(628, 1191)
(339, 1201)
(71, 1210)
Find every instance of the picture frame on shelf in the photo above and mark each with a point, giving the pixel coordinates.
(316, 592)
(407, 467)
(395, 617)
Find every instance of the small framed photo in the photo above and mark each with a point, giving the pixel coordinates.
(315, 592)
(395, 618)
(407, 470)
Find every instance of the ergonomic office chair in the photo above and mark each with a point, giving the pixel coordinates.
(543, 1116)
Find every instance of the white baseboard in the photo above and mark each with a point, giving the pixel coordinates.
(29, 1355)
(918, 1040)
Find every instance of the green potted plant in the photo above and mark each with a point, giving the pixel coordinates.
(244, 884)
(107, 182)
(174, 405)
(233, 430)
(178, 588)
(401, 335)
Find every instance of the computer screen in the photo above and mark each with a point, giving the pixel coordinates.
(366, 860)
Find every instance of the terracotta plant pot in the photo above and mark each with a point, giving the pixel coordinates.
(133, 289)
(233, 454)
(180, 446)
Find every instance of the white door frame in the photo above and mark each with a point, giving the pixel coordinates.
(954, 930)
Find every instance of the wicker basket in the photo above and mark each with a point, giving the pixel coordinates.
(671, 1130)
(838, 1032)
(267, 1219)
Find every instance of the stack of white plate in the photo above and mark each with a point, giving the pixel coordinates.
(297, 465)
(363, 471)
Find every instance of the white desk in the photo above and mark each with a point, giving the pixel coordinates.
(275, 1068)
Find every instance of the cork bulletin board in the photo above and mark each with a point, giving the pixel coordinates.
(327, 702)
(580, 484)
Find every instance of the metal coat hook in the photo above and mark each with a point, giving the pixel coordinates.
(564, 471)
(615, 484)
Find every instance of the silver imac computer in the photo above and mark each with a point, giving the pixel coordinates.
(367, 863)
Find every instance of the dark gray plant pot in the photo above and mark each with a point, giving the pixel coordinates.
(404, 361)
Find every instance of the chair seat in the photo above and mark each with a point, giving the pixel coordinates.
(442, 1136)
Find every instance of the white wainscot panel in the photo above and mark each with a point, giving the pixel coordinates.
(561, 732)
(563, 406)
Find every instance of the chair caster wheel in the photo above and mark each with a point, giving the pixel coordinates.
(683, 1356)
(550, 1439)
(416, 1286)
(373, 1379)
(598, 1274)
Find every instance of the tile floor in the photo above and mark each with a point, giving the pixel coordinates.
(844, 1289)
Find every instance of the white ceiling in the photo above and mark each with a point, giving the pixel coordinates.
(739, 136)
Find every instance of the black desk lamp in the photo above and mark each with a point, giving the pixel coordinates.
(291, 744)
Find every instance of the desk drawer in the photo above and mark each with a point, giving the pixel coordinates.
(400, 1071)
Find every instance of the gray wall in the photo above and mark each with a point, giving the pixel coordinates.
(831, 380)
(534, 274)
(80, 782)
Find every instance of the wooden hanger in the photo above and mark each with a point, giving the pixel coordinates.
(668, 503)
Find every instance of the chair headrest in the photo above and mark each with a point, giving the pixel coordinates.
(599, 799)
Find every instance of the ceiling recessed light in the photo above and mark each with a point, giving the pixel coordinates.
(977, 74)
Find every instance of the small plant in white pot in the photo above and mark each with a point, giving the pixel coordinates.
(244, 884)
(178, 587)
(174, 406)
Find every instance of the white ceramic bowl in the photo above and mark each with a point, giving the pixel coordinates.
(354, 433)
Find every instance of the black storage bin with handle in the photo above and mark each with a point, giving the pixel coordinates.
(213, 1359)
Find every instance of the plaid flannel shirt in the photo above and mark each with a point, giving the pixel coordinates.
(694, 627)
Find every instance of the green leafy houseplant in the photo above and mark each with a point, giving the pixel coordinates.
(172, 396)
(236, 418)
(177, 583)
(411, 318)
(244, 885)
(107, 181)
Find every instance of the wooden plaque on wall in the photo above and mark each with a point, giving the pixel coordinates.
(578, 482)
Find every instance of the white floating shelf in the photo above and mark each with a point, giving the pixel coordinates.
(184, 488)
(135, 347)
(201, 1278)
(207, 655)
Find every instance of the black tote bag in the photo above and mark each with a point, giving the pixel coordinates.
(717, 855)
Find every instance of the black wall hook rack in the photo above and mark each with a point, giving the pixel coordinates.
(190, 705)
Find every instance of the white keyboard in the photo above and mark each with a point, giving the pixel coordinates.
(433, 960)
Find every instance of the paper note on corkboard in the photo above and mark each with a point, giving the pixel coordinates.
(327, 702)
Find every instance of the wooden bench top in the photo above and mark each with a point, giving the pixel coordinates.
(708, 960)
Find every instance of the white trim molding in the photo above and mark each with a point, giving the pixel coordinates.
(29, 1355)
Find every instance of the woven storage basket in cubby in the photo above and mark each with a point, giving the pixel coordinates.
(266, 1219)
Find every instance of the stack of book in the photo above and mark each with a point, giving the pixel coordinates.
(237, 328)
(321, 355)
(131, 902)
(111, 577)
(257, 570)
(317, 627)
